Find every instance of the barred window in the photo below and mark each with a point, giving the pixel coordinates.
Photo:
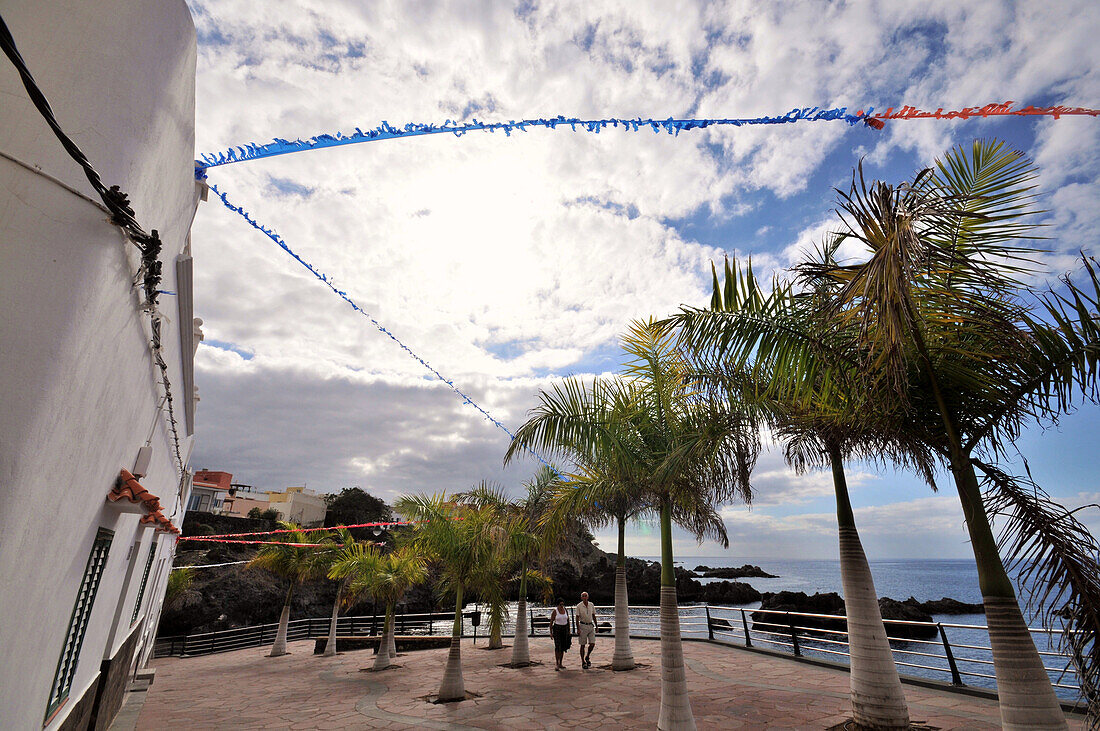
(78, 623)
(144, 579)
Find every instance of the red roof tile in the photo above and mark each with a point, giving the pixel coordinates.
(127, 487)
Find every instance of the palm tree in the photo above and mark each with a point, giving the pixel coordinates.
(526, 540)
(397, 572)
(678, 449)
(342, 538)
(735, 342)
(945, 325)
(355, 566)
(617, 506)
(294, 562)
(458, 539)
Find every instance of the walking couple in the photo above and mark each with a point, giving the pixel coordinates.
(585, 613)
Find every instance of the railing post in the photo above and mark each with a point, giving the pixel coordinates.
(745, 624)
(794, 636)
(531, 626)
(956, 678)
(213, 635)
(710, 627)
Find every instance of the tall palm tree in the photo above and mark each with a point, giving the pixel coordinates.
(295, 563)
(354, 566)
(683, 452)
(972, 356)
(735, 343)
(458, 539)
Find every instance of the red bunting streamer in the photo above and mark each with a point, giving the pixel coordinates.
(294, 530)
(989, 110)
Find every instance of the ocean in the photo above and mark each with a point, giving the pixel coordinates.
(923, 579)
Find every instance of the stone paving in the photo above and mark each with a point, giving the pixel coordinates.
(730, 689)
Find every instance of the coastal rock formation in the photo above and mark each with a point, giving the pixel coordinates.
(729, 592)
(744, 572)
(831, 603)
(950, 606)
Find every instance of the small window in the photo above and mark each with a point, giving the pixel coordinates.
(193, 503)
(78, 623)
(144, 579)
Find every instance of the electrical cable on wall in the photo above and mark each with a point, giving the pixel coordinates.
(122, 215)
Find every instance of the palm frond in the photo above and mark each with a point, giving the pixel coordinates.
(1056, 559)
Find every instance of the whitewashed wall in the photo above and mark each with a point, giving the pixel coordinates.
(79, 391)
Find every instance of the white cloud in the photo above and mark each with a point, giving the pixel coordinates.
(504, 260)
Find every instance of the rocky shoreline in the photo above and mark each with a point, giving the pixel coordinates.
(909, 610)
(231, 596)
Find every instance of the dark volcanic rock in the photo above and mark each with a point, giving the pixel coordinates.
(948, 605)
(831, 603)
(729, 592)
(746, 571)
(797, 601)
(910, 611)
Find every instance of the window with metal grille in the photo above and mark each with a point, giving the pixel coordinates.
(144, 579)
(85, 598)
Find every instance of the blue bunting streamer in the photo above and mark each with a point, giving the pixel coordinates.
(385, 131)
(344, 296)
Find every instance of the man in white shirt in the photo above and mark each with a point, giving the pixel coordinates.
(585, 613)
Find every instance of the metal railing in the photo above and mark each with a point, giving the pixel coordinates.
(237, 638)
(956, 654)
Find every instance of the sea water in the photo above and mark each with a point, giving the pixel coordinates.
(922, 579)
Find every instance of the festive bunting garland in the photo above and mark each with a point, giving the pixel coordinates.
(296, 530)
(254, 151)
(672, 126)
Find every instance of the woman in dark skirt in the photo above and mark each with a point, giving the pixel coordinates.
(559, 630)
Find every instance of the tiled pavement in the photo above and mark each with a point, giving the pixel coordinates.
(729, 688)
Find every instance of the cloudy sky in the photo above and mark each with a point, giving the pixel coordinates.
(508, 262)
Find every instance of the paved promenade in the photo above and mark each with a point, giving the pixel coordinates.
(730, 689)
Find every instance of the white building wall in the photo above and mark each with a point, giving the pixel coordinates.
(80, 393)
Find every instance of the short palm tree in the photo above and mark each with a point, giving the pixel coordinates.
(458, 539)
(526, 541)
(396, 573)
(295, 562)
(354, 566)
(679, 450)
(340, 538)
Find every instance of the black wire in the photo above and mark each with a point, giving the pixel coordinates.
(116, 201)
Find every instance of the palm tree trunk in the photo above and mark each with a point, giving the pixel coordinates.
(330, 646)
(279, 648)
(496, 622)
(382, 660)
(877, 698)
(452, 688)
(623, 659)
(675, 705)
(391, 645)
(521, 653)
(1024, 690)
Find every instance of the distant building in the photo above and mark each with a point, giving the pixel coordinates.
(242, 499)
(299, 505)
(209, 491)
(93, 469)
